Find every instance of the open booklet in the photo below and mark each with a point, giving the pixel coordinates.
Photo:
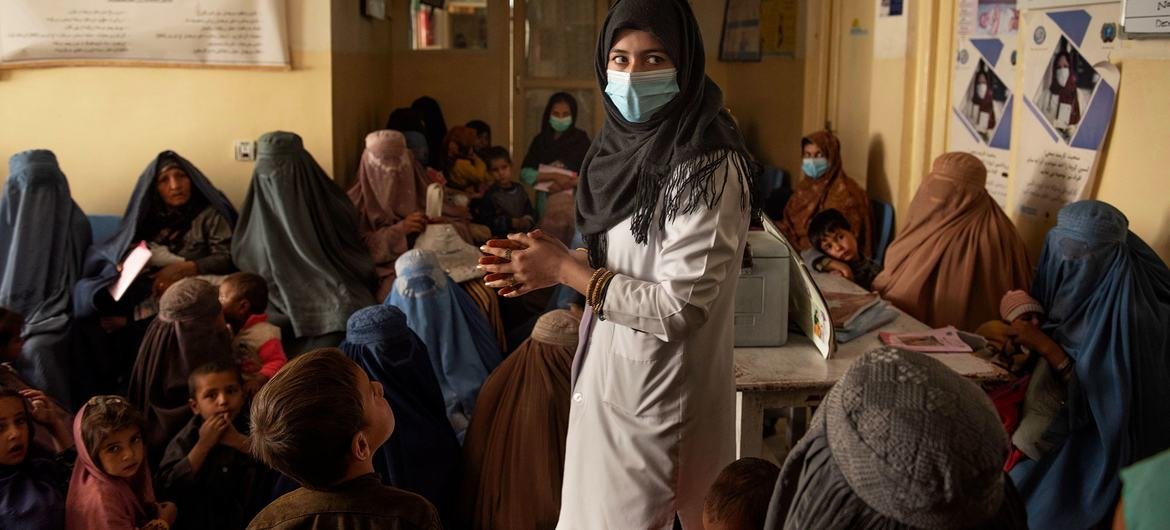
(942, 340)
(130, 268)
(806, 304)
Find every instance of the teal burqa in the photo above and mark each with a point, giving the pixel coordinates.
(299, 231)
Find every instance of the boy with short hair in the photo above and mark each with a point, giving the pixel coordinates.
(834, 249)
(206, 468)
(257, 346)
(320, 421)
(739, 497)
(505, 207)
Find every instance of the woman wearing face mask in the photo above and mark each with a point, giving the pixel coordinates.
(984, 103)
(1067, 107)
(663, 203)
(826, 186)
(560, 142)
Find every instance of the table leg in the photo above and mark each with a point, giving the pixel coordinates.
(749, 425)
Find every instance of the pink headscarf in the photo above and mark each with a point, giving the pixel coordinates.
(97, 501)
(390, 185)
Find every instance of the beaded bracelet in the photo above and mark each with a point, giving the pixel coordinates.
(598, 286)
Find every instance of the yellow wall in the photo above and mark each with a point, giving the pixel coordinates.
(1135, 171)
(767, 97)
(361, 65)
(468, 84)
(105, 124)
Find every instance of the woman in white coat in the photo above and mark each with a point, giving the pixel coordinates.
(663, 202)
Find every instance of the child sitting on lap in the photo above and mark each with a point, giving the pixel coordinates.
(111, 487)
(206, 467)
(834, 249)
(257, 346)
(320, 421)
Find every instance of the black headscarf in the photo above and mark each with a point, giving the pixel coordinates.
(436, 127)
(405, 119)
(692, 134)
(568, 148)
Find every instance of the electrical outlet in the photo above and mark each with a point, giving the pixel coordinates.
(245, 150)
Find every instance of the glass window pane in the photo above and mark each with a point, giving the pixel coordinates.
(561, 37)
(460, 24)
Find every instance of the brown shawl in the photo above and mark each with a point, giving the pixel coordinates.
(515, 446)
(958, 253)
(188, 333)
(834, 190)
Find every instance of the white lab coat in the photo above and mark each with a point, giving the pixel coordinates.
(651, 422)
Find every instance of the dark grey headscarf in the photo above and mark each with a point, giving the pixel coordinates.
(901, 441)
(688, 139)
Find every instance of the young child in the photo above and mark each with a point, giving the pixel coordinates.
(1017, 309)
(738, 500)
(257, 346)
(466, 171)
(834, 249)
(111, 487)
(206, 467)
(32, 489)
(505, 208)
(320, 421)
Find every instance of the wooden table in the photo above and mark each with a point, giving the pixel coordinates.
(796, 375)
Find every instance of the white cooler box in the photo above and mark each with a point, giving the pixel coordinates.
(761, 297)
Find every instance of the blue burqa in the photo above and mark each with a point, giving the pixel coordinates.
(462, 348)
(101, 263)
(299, 231)
(423, 454)
(1108, 300)
(43, 239)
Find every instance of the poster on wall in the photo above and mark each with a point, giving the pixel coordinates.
(778, 23)
(983, 86)
(741, 31)
(214, 33)
(1069, 93)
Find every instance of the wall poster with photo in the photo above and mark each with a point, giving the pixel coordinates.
(1069, 91)
(982, 86)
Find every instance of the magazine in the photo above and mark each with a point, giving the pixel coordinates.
(844, 308)
(942, 340)
(130, 268)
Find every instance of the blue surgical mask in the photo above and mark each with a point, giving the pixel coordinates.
(815, 167)
(560, 124)
(639, 95)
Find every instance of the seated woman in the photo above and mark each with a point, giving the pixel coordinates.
(390, 197)
(434, 127)
(515, 446)
(958, 252)
(466, 172)
(422, 455)
(900, 442)
(300, 232)
(187, 224)
(462, 347)
(189, 332)
(43, 239)
(825, 187)
(560, 143)
(1107, 295)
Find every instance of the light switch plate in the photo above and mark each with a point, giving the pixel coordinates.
(245, 150)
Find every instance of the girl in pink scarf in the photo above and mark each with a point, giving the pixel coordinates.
(111, 487)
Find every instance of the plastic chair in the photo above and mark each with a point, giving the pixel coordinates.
(103, 226)
(883, 223)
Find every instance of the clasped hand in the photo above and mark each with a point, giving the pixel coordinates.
(523, 263)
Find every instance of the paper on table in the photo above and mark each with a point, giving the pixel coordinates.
(942, 340)
(131, 267)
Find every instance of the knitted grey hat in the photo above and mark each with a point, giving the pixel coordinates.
(919, 445)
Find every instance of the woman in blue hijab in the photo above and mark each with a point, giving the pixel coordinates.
(187, 223)
(43, 239)
(299, 231)
(423, 455)
(1108, 296)
(462, 348)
